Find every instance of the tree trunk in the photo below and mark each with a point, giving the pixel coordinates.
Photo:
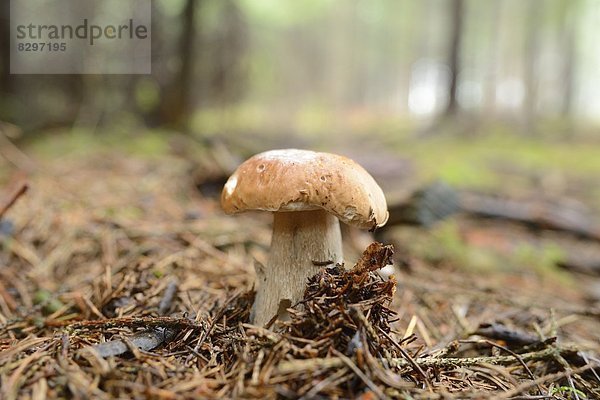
(530, 68)
(175, 107)
(5, 78)
(569, 49)
(454, 45)
(493, 54)
(229, 44)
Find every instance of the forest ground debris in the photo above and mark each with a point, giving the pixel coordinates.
(437, 332)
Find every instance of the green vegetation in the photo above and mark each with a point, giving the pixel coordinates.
(85, 142)
(483, 162)
(47, 300)
(446, 244)
(469, 162)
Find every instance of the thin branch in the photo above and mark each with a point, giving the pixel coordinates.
(360, 374)
(13, 197)
(408, 358)
(423, 362)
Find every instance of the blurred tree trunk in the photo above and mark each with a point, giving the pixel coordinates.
(454, 46)
(5, 78)
(532, 37)
(227, 49)
(568, 72)
(175, 106)
(493, 53)
(569, 50)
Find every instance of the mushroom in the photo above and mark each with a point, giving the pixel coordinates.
(308, 192)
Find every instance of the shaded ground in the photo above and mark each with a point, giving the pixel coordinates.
(105, 247)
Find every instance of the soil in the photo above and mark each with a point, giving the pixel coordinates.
(119, 279)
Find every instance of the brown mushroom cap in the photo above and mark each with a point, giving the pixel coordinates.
(302, 180)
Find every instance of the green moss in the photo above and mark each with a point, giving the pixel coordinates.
(84, 142)
(235, 120)
(571, 392)
(473, 162)
(157, 273)
(49, 303)
(543, 261)
(444, 243)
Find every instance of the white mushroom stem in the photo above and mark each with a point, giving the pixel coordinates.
(303, 242)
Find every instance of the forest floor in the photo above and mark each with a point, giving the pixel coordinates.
(120, 279)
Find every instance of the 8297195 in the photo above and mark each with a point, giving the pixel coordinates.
(42, 46)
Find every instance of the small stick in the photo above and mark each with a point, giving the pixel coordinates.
(500, 332)
(360, 374)
(322, 263)
(212, 325)
(408, 357)
(512, 353)
(135, 322)
(423, 362)
(14, 196)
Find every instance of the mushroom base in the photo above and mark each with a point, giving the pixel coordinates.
(303, 242)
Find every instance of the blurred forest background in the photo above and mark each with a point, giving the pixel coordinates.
(470, 91)
(336, 66)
